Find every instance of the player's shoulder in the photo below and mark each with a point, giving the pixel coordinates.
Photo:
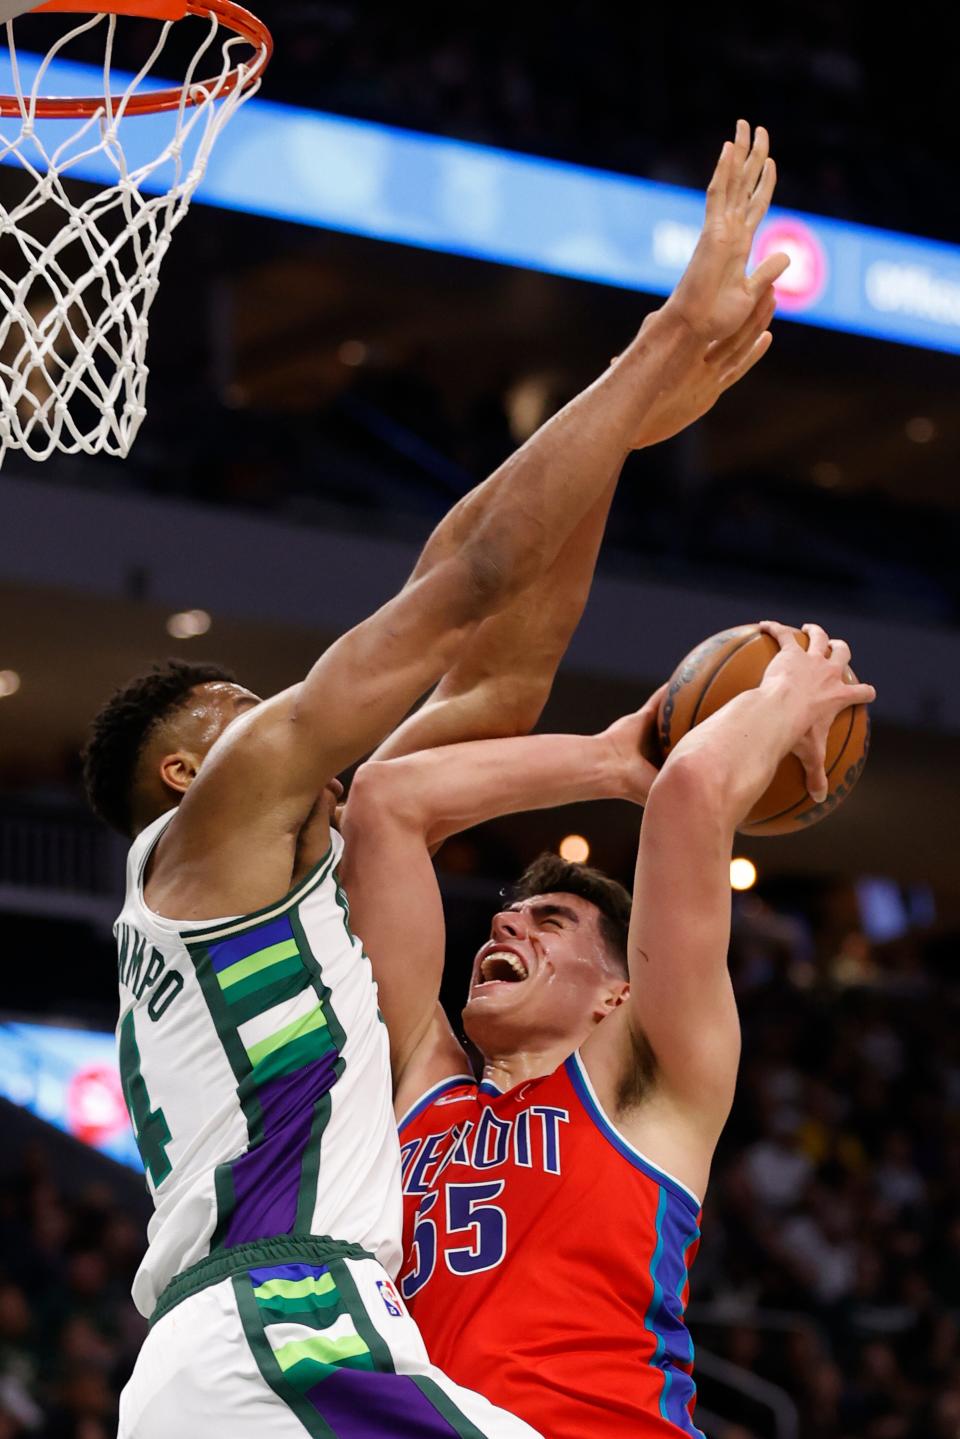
(447, 1096)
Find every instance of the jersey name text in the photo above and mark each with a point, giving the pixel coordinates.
(141, 967)
(531, 1139)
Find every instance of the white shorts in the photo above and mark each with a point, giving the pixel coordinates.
(282, 1350)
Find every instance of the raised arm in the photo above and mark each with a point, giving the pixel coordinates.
(508, 533)
(681, 1015)
(501, 678)
(261, 780)
(493, 545)
(399, 809)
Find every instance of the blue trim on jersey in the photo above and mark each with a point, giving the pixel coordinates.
(676, 1208)
(683, 1281)
(487, 1086)
(444, 1087)
(679, 1388)
(667, 1384)
(577, 1074)
(656, 1302)
(664, 1318)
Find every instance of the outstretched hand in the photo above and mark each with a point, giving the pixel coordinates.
(715, 296)
(822, 674)
(634, 749)
(723, 364)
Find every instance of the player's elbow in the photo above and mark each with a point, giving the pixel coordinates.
(522, 704)
(510, 704)
(381, 794)
(690, 791)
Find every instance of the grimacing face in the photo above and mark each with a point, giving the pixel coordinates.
(544, 975)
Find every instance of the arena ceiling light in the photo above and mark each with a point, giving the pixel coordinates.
(9, 683)
(743, 874)
(921, 430)
(188, 624)
(575, 849)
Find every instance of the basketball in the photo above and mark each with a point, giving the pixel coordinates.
(721, 668)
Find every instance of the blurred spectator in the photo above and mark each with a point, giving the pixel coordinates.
(776, 1166)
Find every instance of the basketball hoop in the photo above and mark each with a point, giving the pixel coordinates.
(79, 271)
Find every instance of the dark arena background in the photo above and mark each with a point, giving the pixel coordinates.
(320, 394)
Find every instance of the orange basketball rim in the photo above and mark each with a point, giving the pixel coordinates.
(225, 12)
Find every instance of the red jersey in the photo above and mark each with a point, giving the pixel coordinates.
(547, 1261)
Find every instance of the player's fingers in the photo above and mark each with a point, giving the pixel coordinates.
(736, 356)
(731, 352)
(819, 639)
(737, 195)
(763, 194)
(862, 694)
(720, 181)
(783, 634)
(812, 754)
(769, 272)
(650, 748)
(755, 162)
(766, 306)
(652, 705)
(840, 650)
(745, 363)
(816, 776)
(723, 352)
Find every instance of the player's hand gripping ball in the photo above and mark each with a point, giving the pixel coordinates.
(724, 666)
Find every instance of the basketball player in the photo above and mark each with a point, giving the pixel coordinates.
(254, 1061)
(553, 1209)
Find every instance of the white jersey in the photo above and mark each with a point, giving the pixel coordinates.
(256, 1069)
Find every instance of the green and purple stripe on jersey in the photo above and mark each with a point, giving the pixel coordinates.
(272, 1011)
(318, 1348)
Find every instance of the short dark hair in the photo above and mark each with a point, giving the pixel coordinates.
(120, 730)
(549, 874)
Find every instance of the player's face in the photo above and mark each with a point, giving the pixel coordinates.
(214, 707)
(544, 975)
(182, 742)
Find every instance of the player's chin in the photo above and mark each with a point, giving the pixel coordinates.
(492, 1020)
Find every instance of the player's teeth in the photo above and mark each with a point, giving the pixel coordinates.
(517, 965)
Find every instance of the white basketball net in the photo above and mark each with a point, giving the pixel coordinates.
(79, 271)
